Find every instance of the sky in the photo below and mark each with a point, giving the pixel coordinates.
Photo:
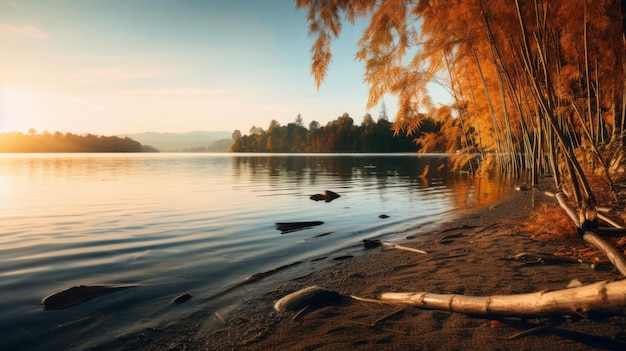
(128, 66)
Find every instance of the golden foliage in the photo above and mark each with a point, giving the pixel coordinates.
(549, 222)
(532, 80)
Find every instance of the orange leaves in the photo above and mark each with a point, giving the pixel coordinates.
(549, 223)
(536, 78)
(321, 57)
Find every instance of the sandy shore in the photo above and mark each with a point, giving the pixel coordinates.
(470, 255)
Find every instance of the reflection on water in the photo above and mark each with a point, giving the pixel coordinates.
(197, 223)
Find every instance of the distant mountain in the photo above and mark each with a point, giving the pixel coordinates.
(184, 142)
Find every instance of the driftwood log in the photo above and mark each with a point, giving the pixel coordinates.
(599, 297)
(604, 296)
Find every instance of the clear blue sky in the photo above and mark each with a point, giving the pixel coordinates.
(126, 66)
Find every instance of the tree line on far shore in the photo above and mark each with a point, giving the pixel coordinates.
(339, 135)
(68, 142)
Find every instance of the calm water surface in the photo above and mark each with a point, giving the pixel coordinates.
(192, 223)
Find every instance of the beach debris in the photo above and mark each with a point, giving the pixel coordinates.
(79, 294)
(313, 296)
(603, 296)
(220, 318)
(290, 227)
(181, 298)
(326, 196)
(383, 216)
(371, 243)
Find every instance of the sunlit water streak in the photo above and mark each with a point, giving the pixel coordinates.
(196, 223)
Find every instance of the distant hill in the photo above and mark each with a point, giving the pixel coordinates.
(196, 141)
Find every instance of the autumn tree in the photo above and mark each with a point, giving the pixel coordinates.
(538, 85)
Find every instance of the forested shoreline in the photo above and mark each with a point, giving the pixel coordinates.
(68, 142)
(339, 135)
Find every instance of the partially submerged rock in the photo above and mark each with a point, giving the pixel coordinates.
(181, 298)
(79, 294)
(327, 196)
(314, 296)
(288, 227)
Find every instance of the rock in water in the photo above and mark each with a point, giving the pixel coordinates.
(78, 294)
(288, 227)
(181, 298)
(327, 196)
(309, 296)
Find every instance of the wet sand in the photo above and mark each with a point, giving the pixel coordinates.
(470, 255)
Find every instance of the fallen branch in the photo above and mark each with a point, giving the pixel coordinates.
(560, 198)
(604, 296)
(610, 221)
(369, 243)
(614, 255)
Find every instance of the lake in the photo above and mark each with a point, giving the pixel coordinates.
(197, 224)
